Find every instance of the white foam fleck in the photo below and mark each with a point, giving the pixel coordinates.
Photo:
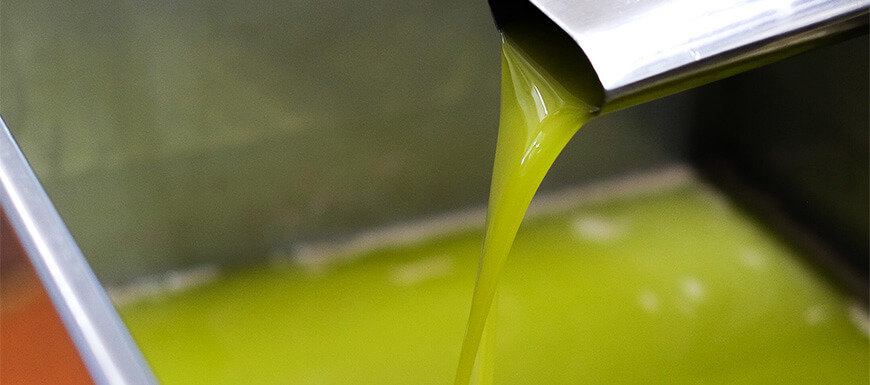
(693, 289)
(753, 258)
(143, 287)
(598, 229)
(422, 270)
(178, 280)
(648, 300)
(860, 318)
(815, 315)
(155, 287)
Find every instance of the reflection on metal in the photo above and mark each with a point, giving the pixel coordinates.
(101, 338)
(638, 48)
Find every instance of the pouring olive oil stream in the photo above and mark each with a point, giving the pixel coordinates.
(538, 117)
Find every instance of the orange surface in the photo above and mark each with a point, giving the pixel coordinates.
(34, 346)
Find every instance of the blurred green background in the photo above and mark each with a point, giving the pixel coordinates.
(171, 134)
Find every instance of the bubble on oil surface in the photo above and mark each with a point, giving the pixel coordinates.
(693, 289)
(156, 287)
(598, 229)
(858, 315)
(752, 258)
(815, 315)
(423, 270)
(648, 301)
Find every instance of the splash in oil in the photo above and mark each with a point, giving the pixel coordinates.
(538, 118)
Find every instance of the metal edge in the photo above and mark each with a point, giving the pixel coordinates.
(104, 343)
(692, 74)
(742, 59)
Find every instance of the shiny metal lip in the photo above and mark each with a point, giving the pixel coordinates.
(102, 340)
(643, 49)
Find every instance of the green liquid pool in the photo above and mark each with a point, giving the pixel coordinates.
(671, 286)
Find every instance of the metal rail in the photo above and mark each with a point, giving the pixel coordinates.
(105, 345)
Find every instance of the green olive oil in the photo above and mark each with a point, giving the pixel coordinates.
(538, 118)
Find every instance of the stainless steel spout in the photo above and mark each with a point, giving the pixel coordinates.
(643, 49)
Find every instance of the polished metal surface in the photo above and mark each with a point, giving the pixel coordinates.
(638, 46)
(102, 340)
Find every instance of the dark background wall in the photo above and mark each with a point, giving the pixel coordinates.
(797, 133)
